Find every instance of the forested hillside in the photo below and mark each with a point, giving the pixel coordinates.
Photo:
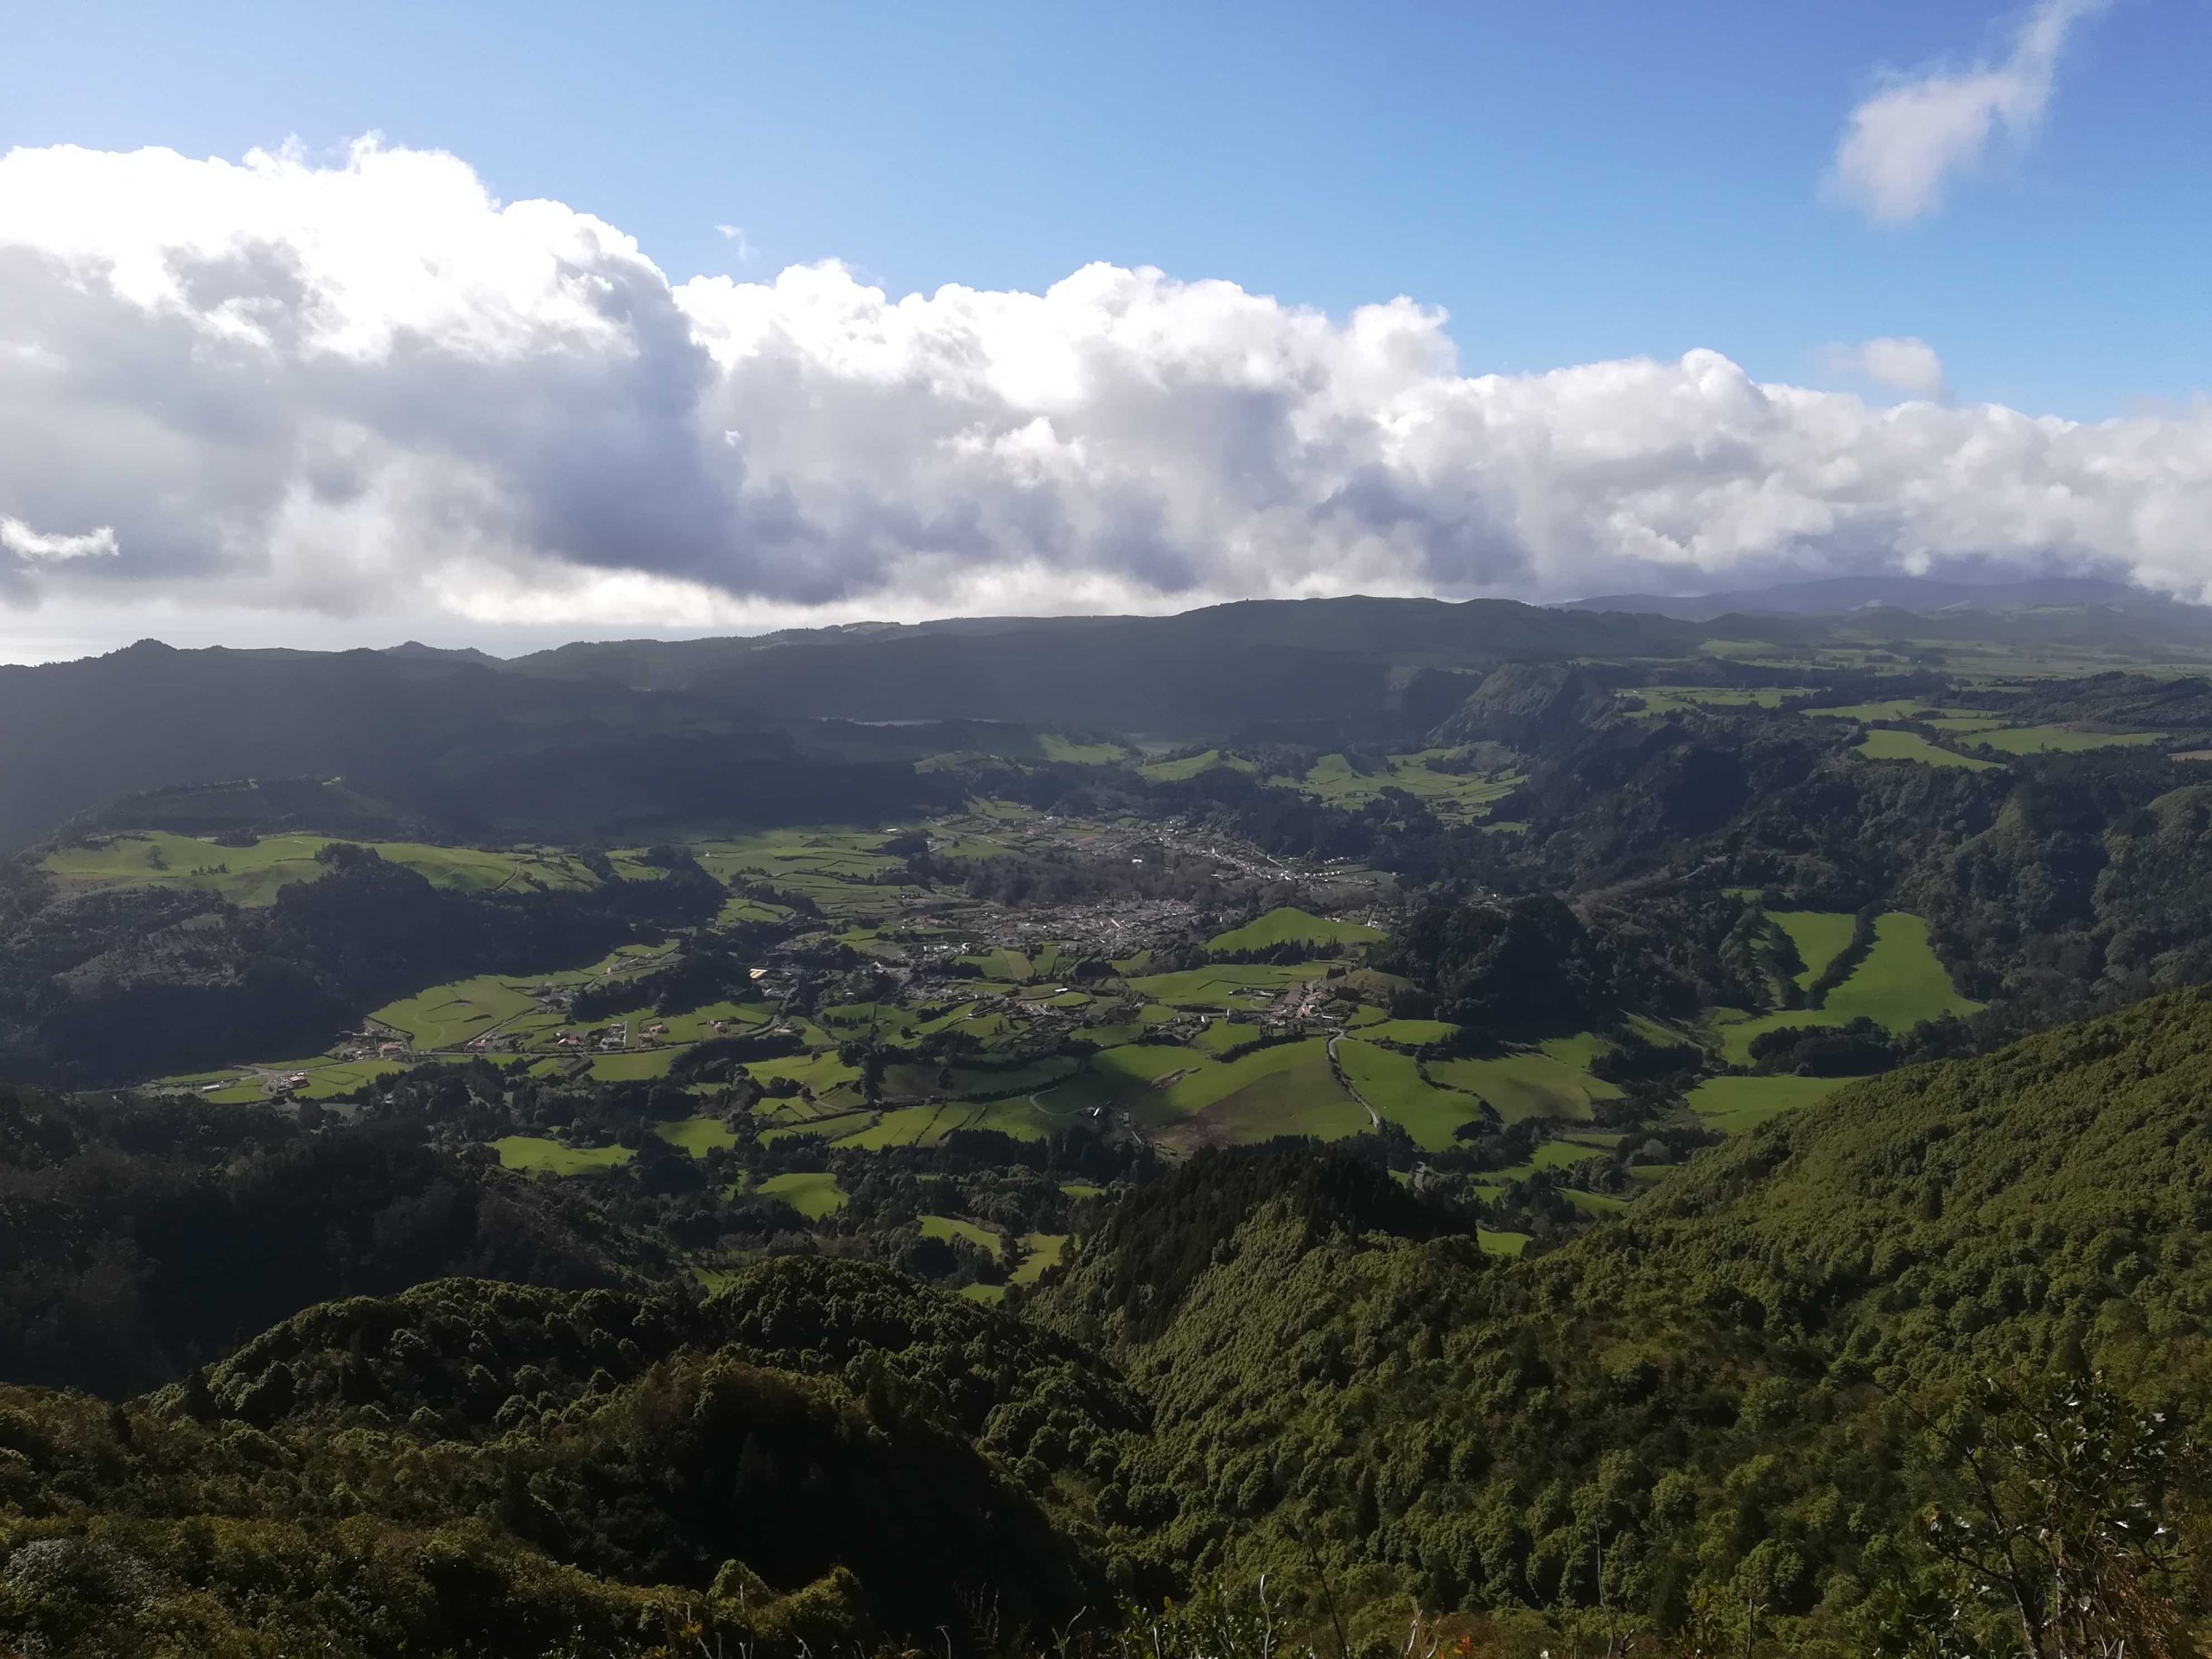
(1720, 1415)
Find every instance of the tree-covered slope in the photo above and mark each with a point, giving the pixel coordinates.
(825, 1453)
(1722, 1385)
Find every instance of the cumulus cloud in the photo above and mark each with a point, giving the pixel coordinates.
(1901, 146)
(1904, 364)
(19, 538)
(367, 389)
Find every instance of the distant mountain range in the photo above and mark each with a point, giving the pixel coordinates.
(1924, 596)
(794, 725)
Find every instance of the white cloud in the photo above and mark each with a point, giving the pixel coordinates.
(1903, 144)
(1906, 363)
(741, 244)
(19, 538)
(369, 390)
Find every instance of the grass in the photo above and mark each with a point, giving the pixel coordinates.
(633, 1065)
(1900, 983)
(1041, 1251)
(1190, 766)
(1819, 935)
(1732, 1105)
(534, 1155)
(1053, 746)
(1887, 745)
(1536, 1083)
(1894, 709)
(697, 1135)
(951, 1227)
(1501, 1243)
(1243, 985)
(1674, 699)
(1284, 1088)
(253, 876)
(989, 1295)
(814, 1195)
(449, 1016)
(2056, 740)
(1408, 1033)
(1391, 1082)
(1288, 924)
(1462, 795)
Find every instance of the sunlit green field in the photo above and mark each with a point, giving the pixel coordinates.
(1732, 1105)
(1042, 1250)
(1288, 924)
(2056, 740)
(697, 1135)
(1458, 795)
(1231, 985)
(1885, 744)
(813, 1194)
(1391, 1082)
(534, 1155)
(1190, 766)
(1550, 1082)
(1819, 935)
(253, 875)
(1900, 983)
(951, 1227)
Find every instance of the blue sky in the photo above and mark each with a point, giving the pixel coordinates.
(1574, 181)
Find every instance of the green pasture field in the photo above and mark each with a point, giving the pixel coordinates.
(908, 1126)
(1288, 924)
(1819, 935)
(740, 909)
(1011, 967)
(1501, 1243)
(251, 876)
(951, 1227)
(829, 1126)
(1734, 1105)
(1055, 745)
(327, 1080)
(1893, 708)
(633, 1065)
(1674, 699)
(449, 1016)
(1082, 1189)
(989, 1295)
(1551, 1155)
(813, 1195)
(1219, 1036)
(1176, 772)
(1040, 1251)
(1594, 1204)
(697, 1135)
(1453, 795)
(1241, 984)
(1288, 1088)
(817, 1073)
(1885, 744)
(1901, 983)
(1405, 1033)
(534, 1155)
(2056, 740)
(1391, 1082)
(1547, 1083)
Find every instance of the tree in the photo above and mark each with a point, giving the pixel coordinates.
(2059, 1523)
